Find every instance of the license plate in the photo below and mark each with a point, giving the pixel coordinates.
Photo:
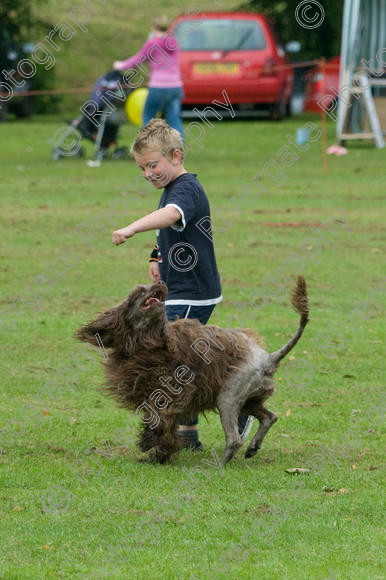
(216, 68)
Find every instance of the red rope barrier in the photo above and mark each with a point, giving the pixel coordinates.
(64, 91)
(315, 62)
(51, 92)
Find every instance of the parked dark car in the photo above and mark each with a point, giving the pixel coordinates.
(10, 54)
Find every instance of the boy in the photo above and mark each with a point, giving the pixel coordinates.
(183, 257)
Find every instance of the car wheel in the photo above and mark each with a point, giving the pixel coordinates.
(288, 109)
(278, 110)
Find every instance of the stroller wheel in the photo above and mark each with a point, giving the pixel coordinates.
(120, 153)
(77, 154)
(100, 154)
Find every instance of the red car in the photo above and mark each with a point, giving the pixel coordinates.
(237, 52)
(319, 85)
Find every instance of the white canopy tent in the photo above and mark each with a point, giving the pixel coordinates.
(363, 62)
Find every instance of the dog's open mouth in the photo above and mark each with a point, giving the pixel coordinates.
(153, 301)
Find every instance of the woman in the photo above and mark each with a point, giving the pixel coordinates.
(165, 83)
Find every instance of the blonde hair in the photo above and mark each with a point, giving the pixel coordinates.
(157, 135)
(161, 23)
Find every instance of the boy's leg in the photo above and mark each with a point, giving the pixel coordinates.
(245, 425)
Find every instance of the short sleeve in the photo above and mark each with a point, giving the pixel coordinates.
(184, 198)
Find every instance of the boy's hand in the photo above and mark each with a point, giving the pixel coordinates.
(120, 236)
(154, 272)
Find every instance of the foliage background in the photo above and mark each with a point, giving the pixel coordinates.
(119, 29)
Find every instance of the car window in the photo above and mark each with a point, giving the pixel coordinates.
(222, 34)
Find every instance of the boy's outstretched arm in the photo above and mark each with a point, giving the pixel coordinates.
(162, 218)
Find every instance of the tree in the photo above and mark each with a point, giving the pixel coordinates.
(20, 24)
(17, 18)
(316, 42)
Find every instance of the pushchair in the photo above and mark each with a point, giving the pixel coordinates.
(109, 118)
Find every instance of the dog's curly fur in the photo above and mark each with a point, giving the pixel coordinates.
(144, 346)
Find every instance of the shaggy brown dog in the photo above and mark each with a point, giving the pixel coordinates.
(146, 351)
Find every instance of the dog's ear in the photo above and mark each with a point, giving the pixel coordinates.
(126, 329)
(129, 342)
(105, 326)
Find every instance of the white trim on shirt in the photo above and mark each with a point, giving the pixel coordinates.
(207, 302)
(174, 226)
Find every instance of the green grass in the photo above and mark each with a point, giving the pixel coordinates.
(42, 203)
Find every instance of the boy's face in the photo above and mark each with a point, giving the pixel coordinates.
(157, 169)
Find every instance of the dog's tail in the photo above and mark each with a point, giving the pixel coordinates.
(299, 301)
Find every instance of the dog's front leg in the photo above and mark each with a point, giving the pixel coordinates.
(164, 438)
(149, 438)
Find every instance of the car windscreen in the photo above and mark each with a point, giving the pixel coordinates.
(221, 34)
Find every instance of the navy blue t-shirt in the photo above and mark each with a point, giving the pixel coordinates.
(186, 255)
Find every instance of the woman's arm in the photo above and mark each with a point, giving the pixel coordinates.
(133, 60)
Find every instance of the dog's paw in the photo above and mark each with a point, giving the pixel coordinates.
(155, 455)
(146, 459)
(250, 453)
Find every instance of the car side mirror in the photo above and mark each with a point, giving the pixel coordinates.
(292, 47)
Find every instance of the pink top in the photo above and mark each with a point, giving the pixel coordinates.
(162, 55)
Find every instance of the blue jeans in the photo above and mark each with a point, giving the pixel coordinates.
(202, 313)
(168, 101)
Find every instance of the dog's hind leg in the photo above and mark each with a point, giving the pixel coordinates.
(266, 420)
(229, 414)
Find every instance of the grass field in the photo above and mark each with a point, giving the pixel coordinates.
(332, 529)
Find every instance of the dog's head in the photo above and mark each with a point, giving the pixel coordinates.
(138, 319)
